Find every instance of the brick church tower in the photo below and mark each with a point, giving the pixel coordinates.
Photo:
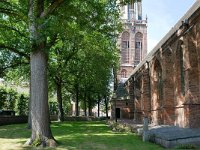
(133, 40)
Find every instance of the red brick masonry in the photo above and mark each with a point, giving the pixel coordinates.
(165, 86)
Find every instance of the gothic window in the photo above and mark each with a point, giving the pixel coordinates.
(125, 47)
(138, 48)
(180, 69)
(182, 72)
(138, 45)
(125, 44)
(158, 82)
(123, 73)
(138, 85)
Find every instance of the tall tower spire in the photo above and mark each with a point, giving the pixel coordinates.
(139, 7)
(133, 40)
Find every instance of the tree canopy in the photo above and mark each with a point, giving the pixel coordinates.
(68, 44)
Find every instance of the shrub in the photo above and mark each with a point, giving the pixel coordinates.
(3, 96)
(7, 98)
(22, 105)
(53, 108)
(10, 99)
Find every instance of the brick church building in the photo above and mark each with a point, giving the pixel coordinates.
(132, 43)
(165, 85)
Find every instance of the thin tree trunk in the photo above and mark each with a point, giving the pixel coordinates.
(77, 100)
(115, 79)
(29, 126)
(98, 106)
(106, 105)
(85, 104)
(89, 106)
(59, 99)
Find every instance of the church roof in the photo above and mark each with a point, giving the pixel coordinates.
(121, 91)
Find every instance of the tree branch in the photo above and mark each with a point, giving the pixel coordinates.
(6, 2)
(9, 12)
(51, 8)
(14, 29)
(14, 65)
(52, 41)
(12, 49)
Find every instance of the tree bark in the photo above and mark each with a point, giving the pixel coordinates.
(40, 121)
(77, 100)
(89, 106)
(59, 99)
(29, 126)
(98, 105)
(85, 104)
(41, 132)
(106, 105)
(115, 79)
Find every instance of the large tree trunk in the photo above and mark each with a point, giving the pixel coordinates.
(59, 99)
(41, 132)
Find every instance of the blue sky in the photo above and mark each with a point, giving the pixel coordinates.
(162, 16)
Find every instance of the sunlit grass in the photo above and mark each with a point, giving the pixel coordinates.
(77, 136)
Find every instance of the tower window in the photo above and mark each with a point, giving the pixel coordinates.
(125, 47)
(123, 73)
(125, 44)
(138, 45)
(138, 48)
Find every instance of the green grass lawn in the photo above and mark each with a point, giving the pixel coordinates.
(76, 136)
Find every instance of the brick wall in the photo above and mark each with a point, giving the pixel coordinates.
(193, 116)
(126, 109)
(166, 86)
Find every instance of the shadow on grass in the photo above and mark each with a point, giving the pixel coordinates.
(14, 131)
(81, 136)
(96, 135)
(84, 127)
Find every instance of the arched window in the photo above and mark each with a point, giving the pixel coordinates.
(182, 68)
(157, 93)
(158, 83)
(138, 48)
(125, 47)
(123, 73)
(180, 79)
